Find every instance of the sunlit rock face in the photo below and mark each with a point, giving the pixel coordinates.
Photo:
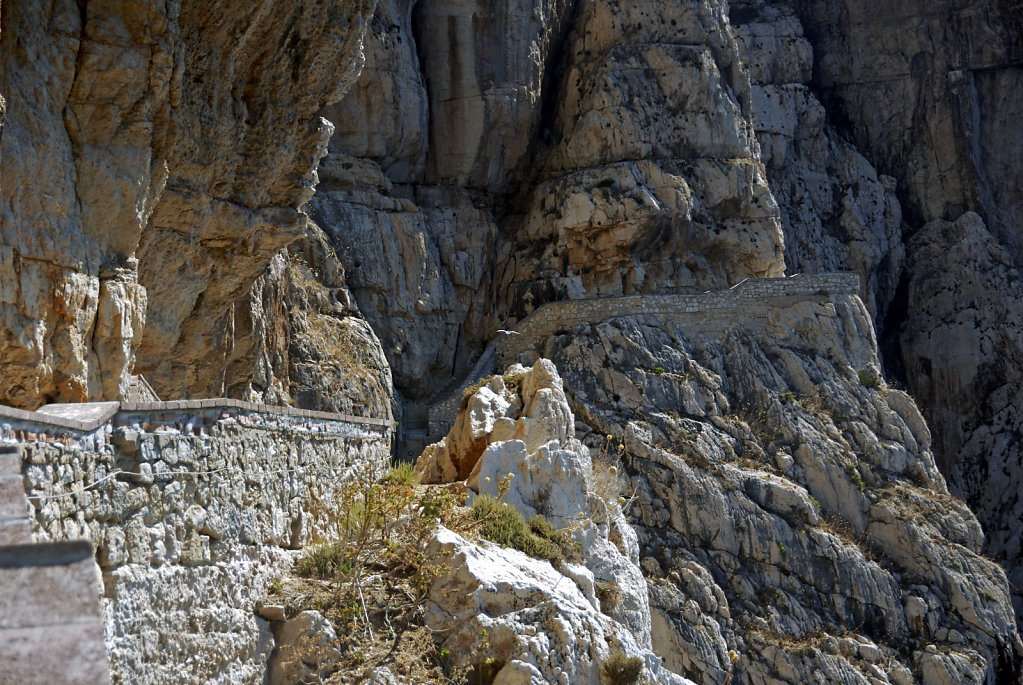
(155, 157)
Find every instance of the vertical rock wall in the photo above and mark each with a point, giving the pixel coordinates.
(155, 156)
(838, 212)
(933, 93)
(494, 157)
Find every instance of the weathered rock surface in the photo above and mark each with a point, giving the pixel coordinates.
(155, 157)
(544, 193)
(301, 340)
(783, 503)
(651, 179)
(540, 624)
(838, 212)
(304, 651)
(962, 344)
(932, 91)
(536, 621)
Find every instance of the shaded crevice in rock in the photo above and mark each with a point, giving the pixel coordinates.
(961, 347)
(931, 93)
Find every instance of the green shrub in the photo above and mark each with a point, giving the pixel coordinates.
(623, 670)
(571, 551)
(869, 379)
(324, 561)
(504, 525)
(605, 183)
(402, 473)
(854, 476)
(513, 381)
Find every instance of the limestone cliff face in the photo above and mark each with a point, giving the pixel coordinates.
(963, 345)
(155, 157)
(300, 340)
(491, 159)
(932, 91)
(932, 94)
(159, 159)
(651, 178)
(784, 508)
(838, 211)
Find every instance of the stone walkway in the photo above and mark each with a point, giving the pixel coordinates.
(747, 296)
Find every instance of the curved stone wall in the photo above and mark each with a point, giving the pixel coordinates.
(748, 295)
(748, 299)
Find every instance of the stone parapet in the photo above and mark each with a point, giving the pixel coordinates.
(62, 419)
(748, 294)
(750, 297)
(51, 628)
(194, 508)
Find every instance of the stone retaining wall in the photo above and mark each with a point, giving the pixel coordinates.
(751, 293)
(745, 300)
(194, 508)
(443, 413)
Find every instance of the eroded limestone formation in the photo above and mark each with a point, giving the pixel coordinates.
(155, 157)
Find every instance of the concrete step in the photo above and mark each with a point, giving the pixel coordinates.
(51, 628)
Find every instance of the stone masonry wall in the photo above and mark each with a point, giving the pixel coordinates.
(747, 296)
(746, 300)
(194, 508)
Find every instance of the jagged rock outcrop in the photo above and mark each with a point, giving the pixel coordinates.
(788, 503)
(155, 157)
(962, 344)
(536, 622)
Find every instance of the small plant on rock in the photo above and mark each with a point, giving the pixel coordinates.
(403, 473)
(854, 476)
(513, 382)
(869, 379)
(623, 670)
(471, 390)
(607, 482)
(378, 523)
(504, 525)
(609, 594)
